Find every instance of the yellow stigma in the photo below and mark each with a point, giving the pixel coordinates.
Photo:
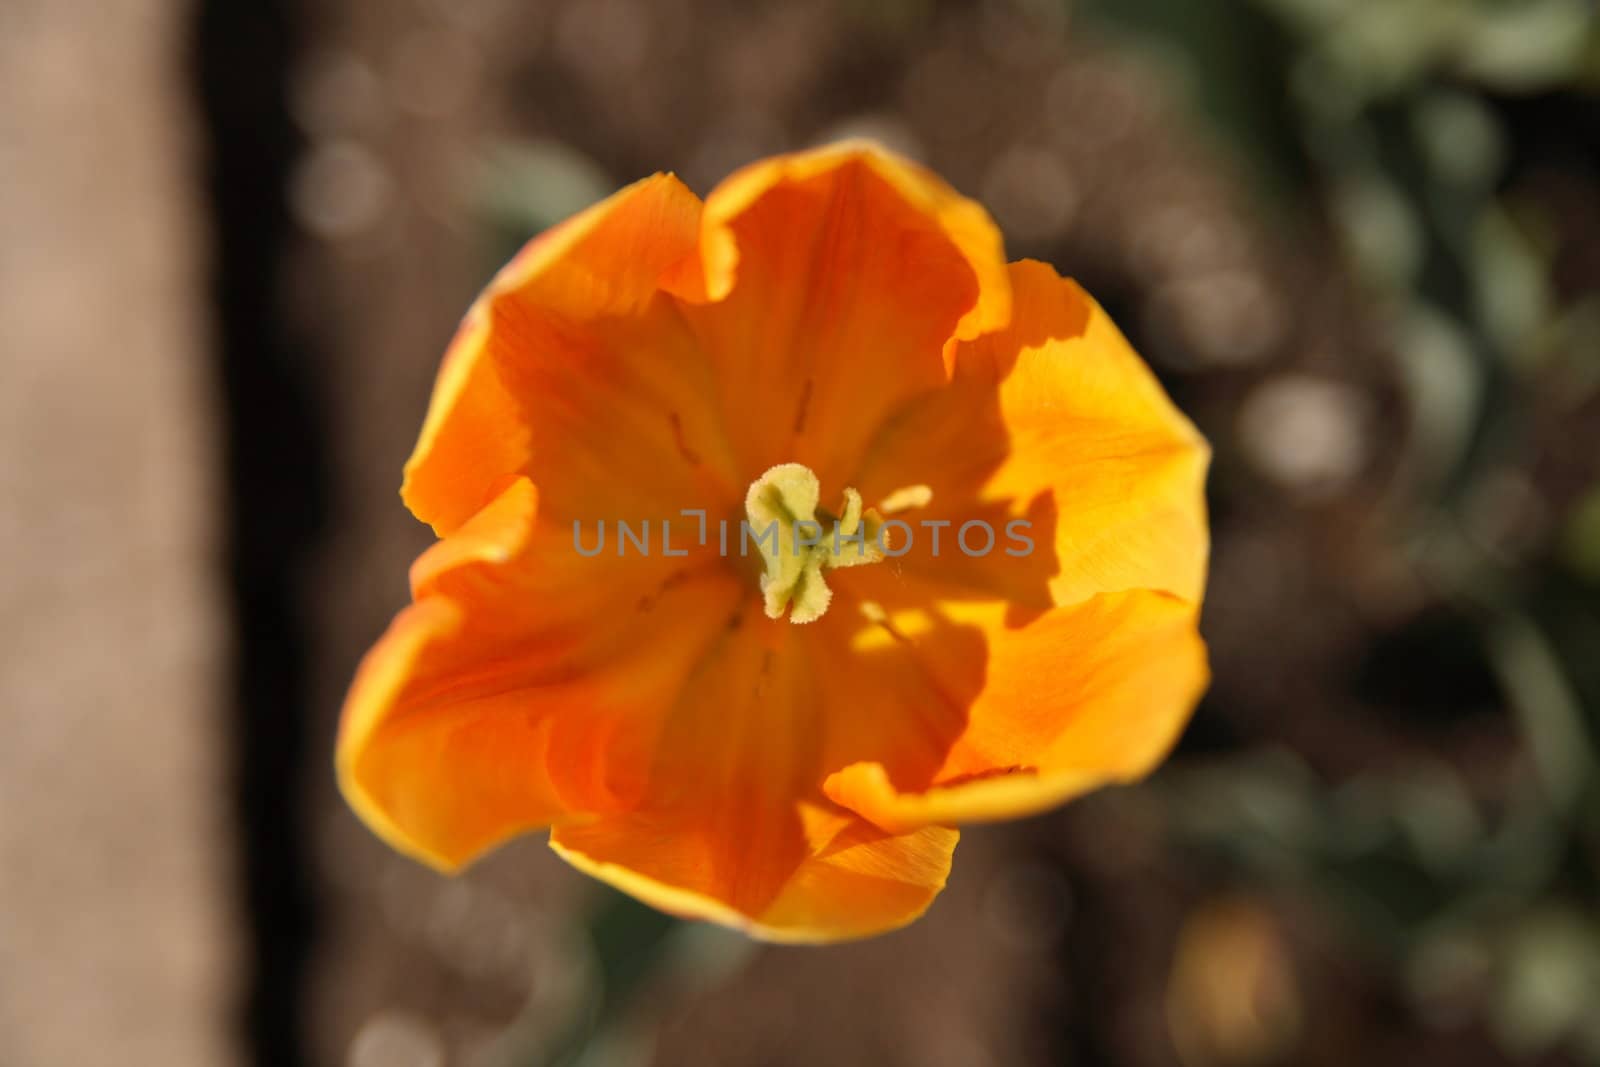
(798, 541)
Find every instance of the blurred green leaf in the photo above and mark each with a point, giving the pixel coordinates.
(528, 186)
(1234, 59)
(1381, 232)
(1547, 709)
(1461, 140)
(1512, 285)
(1447, 393)
(1527, 46)
(1581, 539)
(1550, 982)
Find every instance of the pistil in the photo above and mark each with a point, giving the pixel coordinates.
(799, 541)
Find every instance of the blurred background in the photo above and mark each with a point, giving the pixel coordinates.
(1358, 239)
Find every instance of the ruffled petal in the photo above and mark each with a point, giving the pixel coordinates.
(964, 223)
(535, 384)
(1081, 697)
(834, 279)
(733, 827)
(1057, 422)
(495, 704)
(850, 880)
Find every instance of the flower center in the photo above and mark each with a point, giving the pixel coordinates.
(798, 540)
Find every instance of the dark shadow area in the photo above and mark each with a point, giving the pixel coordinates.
(274, 502)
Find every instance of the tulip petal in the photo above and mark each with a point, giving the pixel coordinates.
(854, 880)
(839, 311)
(733, 827)
(1081, 697)
(835, 279)
(526, 372)
(1056, 421)
(494, 704)
(964, 223)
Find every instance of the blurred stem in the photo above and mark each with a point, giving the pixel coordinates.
(629, 941)
(633, 945)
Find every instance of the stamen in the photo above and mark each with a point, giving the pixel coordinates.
(798, 542)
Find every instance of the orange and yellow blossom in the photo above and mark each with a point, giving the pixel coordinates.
(717, 738)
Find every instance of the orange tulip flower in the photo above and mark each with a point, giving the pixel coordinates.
(781, 735)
